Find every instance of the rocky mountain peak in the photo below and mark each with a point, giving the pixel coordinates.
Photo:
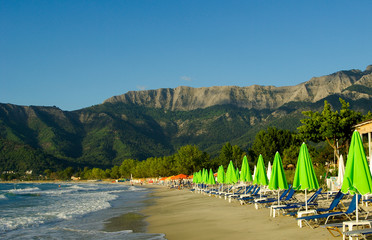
(255, 96)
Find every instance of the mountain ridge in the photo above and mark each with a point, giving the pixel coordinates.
(152, 123)
(255, 96)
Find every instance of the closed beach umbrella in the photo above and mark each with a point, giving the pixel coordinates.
(237, 174)
(205, 176)
(260, 176)
(341, 171)
(211, 179)
(231, 174)
(305, 178)
(245, 173)
(221, 176)
(357, 179)
(195, 178)
(277, 178)
(269, 171)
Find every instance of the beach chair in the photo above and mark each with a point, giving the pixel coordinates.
(298, 205)
(224, 191)
(360, 233)
(336, 200)
(266, 201)
(332, 215)
(333, 228)
(246, 197)
(238, 194)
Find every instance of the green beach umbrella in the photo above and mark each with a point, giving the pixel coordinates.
(194, 178)
(237, 174)
(200, 176)
(305, 178)
(357, 178)
(205, 176)
(221, 176)
(277, 178)
(245, 173)
(231, 174)
(260, 177)
(211, 179)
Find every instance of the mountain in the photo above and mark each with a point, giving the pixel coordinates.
(257, 97)
(142, 124)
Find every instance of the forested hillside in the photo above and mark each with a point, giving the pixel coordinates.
(144, 124)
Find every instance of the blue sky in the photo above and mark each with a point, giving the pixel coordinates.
(75, 54)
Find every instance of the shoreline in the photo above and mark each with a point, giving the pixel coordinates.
(181, 214)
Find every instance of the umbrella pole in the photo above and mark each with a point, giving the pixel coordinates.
(278, 197)
(356, 208)
(306, 199)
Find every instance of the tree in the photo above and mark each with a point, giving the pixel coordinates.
(189, 159)
(231, 153)
(331, 126)
(115, 173)
(270, 141)
(127, 167)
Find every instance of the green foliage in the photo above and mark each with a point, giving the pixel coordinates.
(230, 153)
(271, 141)
(102, 136)
(127, 167)
(189, 159)
(330, 126)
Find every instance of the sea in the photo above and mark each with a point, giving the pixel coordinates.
(73, 211)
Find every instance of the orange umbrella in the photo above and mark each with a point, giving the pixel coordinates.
(182, 176)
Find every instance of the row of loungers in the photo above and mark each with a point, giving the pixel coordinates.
(291, 206)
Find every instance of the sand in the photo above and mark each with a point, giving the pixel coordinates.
(181, 214)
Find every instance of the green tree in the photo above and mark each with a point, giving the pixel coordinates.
(331, 126)
(67, 173)
(189, 159)
(231, 153)
(115, 173)
(270, 141)
(127, 167)
(97, 173)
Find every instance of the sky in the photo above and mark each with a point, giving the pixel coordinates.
(74, 54)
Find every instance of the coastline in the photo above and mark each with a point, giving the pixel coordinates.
(180, 214)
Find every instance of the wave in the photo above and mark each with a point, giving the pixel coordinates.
(94, 232)
(3, 197)
(133, 188)
(24, 190)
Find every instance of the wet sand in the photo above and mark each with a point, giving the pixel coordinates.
(181, 214)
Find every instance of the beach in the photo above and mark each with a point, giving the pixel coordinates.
(181, 214)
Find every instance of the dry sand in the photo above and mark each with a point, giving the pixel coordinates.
(181, 214)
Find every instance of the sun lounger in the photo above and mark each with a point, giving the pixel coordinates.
(336, 200)
(333, 228)
(329, 215)
(246, 197)
(361, 233)
(266, 201)
(310, 202)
